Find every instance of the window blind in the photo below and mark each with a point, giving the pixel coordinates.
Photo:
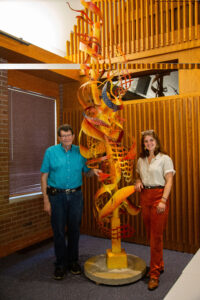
(32, 130)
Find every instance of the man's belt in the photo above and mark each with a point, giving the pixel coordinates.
(53, 191)
(153, 187)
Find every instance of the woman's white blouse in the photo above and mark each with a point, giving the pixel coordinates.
(153, 173)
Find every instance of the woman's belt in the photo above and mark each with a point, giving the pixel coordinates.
(53, 191)
(153, 187)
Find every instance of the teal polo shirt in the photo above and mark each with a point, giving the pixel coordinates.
(64, 168)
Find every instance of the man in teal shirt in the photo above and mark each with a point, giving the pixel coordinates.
(61, 182)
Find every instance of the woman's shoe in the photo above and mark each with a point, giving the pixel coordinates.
(153, 283)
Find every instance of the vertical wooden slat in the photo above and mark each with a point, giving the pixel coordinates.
(119, 11)
(152, 21)
(111, 47)
(184, 20)
(68, 49)
(196, 165)
(75, 45)
(78, 41)
(196, 19)
(90, 28)
(172, 22)
(128, 36)
(147, 23)
(190, 20)
(184, 207)
(106, 20)
(71, 45)
(171, 131)
(123, 27)
(82, 31)
(137, 24)
(98, 20)
(133, 26)
(157, 24)
(189, 173)
(86, 30)
(103, 30)
(115, 28)
(179, 21)
(161, 25)
(167, 22)
(142, 24)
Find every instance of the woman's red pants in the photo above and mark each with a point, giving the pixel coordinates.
(155, 224)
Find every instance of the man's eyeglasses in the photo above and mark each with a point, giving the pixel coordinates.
(66, 136)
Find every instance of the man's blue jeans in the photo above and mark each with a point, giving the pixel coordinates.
(66, 210)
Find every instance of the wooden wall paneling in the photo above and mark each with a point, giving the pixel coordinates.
(139, 25)
(26, 81)
(177, 122)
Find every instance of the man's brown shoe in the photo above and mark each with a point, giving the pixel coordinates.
(153, 284)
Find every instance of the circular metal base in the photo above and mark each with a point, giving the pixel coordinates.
(95, 268)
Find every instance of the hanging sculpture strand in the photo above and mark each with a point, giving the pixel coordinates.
(100, 138)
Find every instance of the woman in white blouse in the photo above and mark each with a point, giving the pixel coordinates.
(155, 177)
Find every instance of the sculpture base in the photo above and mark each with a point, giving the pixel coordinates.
(116, 260)
(95, 268)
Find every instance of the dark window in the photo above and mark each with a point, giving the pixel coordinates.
(32, 130)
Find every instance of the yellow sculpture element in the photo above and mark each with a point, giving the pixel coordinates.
(100, 139)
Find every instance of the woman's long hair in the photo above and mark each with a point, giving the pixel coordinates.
(158, 149)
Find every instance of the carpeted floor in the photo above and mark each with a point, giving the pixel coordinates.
(27, 274)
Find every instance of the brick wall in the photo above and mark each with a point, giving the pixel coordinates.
(22, 223)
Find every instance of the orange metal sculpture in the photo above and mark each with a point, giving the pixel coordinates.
(100, 139)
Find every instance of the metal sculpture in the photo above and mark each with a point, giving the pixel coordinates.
(100, 139)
